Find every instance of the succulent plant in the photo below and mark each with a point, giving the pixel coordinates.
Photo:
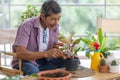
(102, 62)
(113, 63)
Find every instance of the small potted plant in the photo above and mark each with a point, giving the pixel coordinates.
(70, 50)
(103, 66)
(114, 67)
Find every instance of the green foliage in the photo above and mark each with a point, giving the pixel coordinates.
(77, 41)
(69, 44)
(113, 63)
(2, 52)
(103, 47)
(100, 36)
(87, 55)
(76, 50)
(34, 75)
(61, 36)
(85, 40)
(102, 62)
(105, 44)
(30, 12)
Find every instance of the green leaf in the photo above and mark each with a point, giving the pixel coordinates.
(87, 55)
(102, 48)
(61, 36)
(76, 50)
(87, 41)
(77, 41)
(35, 75)
(2, 52)
(93, 38)
(100, 36)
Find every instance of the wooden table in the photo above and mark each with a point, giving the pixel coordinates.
(97, 76)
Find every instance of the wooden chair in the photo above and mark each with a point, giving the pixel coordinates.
(109, 25)
(8, 37)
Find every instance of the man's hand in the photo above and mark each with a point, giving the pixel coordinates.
(58, 45)
(53, 53)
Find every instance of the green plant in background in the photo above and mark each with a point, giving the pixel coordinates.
(113, 63)
(30, 12)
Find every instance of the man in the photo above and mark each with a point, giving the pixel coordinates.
(35, 40)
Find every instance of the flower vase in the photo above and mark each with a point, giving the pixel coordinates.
(95, 60)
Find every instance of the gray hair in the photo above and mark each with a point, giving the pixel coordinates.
(49, 7)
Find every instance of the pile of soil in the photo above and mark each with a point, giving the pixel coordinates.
(54, 75)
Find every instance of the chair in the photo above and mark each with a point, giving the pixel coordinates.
(109, 25)
(8, 37)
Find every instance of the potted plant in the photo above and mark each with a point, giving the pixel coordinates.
(95, 44)
(114, 67)
(70, 50)
(100, 40)
(103, 66)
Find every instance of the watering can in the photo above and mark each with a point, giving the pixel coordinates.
(95, 60)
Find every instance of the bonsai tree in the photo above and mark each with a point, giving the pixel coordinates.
(103, 66)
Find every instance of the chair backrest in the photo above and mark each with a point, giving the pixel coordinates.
(109, 25)
(8, 37)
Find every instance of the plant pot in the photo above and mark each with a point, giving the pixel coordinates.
(103, 69)
(66, 77)
(114, 69)
(71, 64)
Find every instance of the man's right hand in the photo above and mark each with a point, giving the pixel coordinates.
(53, 53)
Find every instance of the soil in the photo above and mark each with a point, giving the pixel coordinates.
(54, 75)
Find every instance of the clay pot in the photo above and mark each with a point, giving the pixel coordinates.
(103, 69)
(66, 77)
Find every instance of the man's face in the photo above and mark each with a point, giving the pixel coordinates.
(52, 20)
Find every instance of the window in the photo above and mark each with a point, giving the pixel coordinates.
(78, 15)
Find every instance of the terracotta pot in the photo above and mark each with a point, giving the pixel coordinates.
(103, 69)
(67, 77)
